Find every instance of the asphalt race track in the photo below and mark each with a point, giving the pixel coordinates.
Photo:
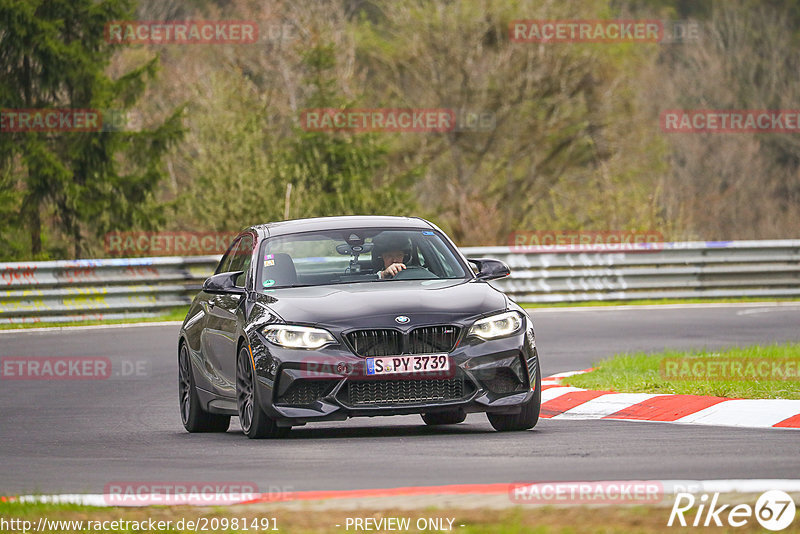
(78, 436)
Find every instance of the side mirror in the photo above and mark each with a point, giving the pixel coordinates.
(223, 284)
(489, 269)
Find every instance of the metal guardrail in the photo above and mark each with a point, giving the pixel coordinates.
(704, 269)
(78, 290)
(63, 291)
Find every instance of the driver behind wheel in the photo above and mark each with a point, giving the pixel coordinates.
(392, 252)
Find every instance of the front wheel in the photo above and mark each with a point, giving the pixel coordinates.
(193, 416)
(255, 423)
(526, 418)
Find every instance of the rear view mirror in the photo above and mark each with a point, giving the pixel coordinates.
(353, 250)
(489, 269)
(223, 284)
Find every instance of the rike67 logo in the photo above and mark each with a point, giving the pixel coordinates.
(774, 510)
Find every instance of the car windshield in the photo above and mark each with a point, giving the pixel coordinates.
(350, 256)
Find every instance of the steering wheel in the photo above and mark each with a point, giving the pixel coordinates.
(414, 272)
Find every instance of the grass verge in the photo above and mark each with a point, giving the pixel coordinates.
(521, 519)
(174, 314)
(755, 372)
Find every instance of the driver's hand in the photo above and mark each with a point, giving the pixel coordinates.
(392, 270)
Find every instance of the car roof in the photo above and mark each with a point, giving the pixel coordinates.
(340, 223)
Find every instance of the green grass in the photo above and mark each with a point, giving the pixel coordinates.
(516, 520)
(648, 302)
(690, 373)
(175, 314)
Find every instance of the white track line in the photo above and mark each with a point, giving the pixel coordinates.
(627, 307)
(604, 405)
(552, 393)
(559, 376)
(752, 413)
(742, 413)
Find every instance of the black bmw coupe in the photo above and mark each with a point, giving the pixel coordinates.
(329, 318)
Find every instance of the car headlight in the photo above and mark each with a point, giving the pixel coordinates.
(495, 326)
(298, 337)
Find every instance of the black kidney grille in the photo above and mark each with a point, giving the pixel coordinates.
(389, 342)
(433, 339)
(392, 392)
(378, 342)
(305, 392)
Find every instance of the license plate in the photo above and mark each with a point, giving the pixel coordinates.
(389, 365)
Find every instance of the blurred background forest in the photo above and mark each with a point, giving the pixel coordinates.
(576, 144)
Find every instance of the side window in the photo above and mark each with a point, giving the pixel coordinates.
(225, 262)
(241, 258)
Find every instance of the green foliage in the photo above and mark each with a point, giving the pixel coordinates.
(337, 173)
(229, 156)
(74, 186)
(575, 143)
(244, 165)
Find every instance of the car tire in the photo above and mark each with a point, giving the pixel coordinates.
(526, 418)
(254, 422)
(444, 418)
(193, 416)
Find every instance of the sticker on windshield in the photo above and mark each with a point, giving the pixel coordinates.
(269, 256)
(268, 283)
(269, 263)
(427, 232)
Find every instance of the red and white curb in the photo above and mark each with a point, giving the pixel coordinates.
(566, 402)
(491, 494)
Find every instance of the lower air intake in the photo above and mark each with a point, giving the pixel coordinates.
(303, 392)
(393, 392)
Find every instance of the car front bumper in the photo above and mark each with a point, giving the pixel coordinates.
(297, 386)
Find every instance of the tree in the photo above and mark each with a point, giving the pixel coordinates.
(566, 149)
(53, 54)
(339, 173)
(244, 148)
(732, 185)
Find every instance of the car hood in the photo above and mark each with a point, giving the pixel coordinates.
(376, 304)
